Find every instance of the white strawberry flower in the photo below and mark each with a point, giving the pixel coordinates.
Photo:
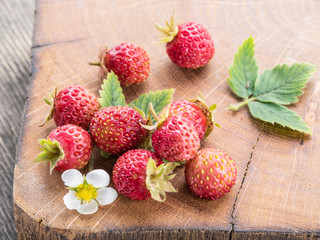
(87, 192)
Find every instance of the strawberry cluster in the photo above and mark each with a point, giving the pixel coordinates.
(148, 151)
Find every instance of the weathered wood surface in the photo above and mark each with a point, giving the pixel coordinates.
(277, 191)
(16, 24)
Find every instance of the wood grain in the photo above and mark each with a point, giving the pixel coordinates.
(276, 193)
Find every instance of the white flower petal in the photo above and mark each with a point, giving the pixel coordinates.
(72, 178)
(106, 195)
(71, 201)
(88, 208)
(98, 178)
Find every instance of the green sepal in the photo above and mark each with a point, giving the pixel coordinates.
(51, 152)
(50, 102)
(158, 178)
(72, 188)
(139, 111)
(208, 112)
(148, 127)
(169, 32)
(111, 92)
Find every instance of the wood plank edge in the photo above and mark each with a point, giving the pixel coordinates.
(273, 235)
(30, 228)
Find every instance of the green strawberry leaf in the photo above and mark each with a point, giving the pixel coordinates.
(159, 100)
(244, 71)
(283, 84)
(276, 113)
(111, 92)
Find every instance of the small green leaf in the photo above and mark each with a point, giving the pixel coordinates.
(275, 113)
(111, 92)
(244, 71)
(283, 84)
(159, 100)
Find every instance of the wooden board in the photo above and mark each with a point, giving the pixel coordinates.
(277, 191)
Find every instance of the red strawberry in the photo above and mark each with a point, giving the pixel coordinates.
(196, 112)
(128, 61)
(211, 174)
(66, 147)
(176, 139)
(139, 174)
(189, 44)
(73, 105)
(116, 129)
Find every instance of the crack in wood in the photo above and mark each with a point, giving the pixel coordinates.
(233, 217)
(57, 43)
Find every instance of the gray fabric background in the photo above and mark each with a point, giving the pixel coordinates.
(16, 27)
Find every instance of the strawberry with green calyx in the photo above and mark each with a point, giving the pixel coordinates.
(116, 129)
(189, 45)
(211, 174)
(67, 147)
(72, 105)
(197, 112)
(140, 174)
(128, 61)
(175, 139)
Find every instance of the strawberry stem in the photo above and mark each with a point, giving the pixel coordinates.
(51, 104)
(91, 165)
(95, 64)
(154, 113)
(236, 107)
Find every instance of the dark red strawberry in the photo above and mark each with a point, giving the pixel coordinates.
(129, 62)
(139, 174)
(176, 139)
(73, 105)
(66, 147)
(116, 129)
(189, 45)
(211, 174)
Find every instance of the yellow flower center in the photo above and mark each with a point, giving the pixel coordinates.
(86, 192)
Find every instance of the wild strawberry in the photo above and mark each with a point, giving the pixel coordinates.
(189, 44)
(73, 105)
(196, 112)
(211, 174)
(116, 129)
(66, 147)
(128, 61)
(139, 174)
(176, 139)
